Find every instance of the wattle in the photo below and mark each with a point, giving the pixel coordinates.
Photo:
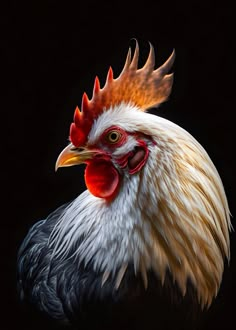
(102, 178)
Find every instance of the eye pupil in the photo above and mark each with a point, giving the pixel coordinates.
(113, 136)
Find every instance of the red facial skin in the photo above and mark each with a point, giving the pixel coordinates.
(101, 176)
(102, 179)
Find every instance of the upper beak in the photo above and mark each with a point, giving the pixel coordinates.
(71, 156)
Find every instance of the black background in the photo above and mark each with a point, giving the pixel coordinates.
(51, 52)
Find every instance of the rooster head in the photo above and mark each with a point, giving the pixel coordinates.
(116, 147)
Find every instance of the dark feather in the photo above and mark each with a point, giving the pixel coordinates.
(69, 292)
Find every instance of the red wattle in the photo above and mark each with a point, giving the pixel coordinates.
(101, 178)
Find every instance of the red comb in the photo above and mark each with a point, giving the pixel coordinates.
(143, 87)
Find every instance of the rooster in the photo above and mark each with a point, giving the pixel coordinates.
(154, 212)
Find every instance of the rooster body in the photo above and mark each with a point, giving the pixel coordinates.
(155, 206)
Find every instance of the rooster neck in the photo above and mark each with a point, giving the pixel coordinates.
(173, 214)
(111, 233)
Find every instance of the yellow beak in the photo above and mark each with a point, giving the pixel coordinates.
(71, 156)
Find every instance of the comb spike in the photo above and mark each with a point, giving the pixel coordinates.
(127, 62)
(109, 75)
(85, 103)
(150, 63)
(134, 63)
(143, 87)
(165, 68)
(109, 78)
(96, 87)
(77, 116)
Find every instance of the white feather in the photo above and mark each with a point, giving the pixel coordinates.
(173, 213)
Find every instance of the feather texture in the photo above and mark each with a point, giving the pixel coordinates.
(181, 224)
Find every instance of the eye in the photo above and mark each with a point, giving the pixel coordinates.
(113, 136)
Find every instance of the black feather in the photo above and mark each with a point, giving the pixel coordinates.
(70, 292)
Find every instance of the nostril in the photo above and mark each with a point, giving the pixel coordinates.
(77, 149)
(103, 156)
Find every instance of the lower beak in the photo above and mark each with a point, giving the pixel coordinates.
(71, 156)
